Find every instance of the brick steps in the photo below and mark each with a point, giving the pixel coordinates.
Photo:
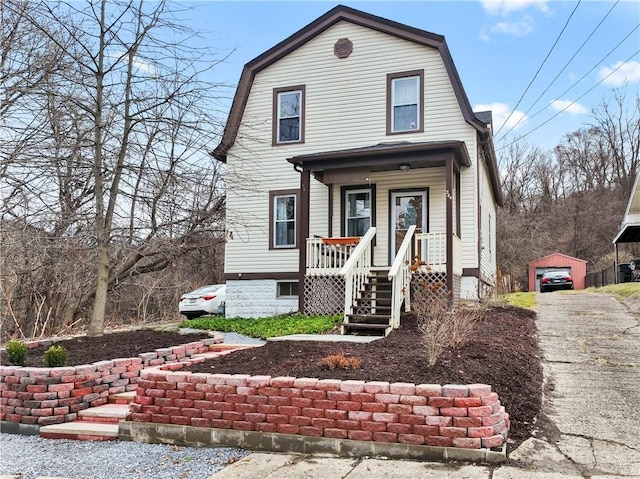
(94, 424)
(100, 423)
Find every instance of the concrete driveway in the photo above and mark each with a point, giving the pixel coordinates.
(591, 420)
(590, 426)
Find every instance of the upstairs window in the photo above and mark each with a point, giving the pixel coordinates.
(405, 102)
(288, 115)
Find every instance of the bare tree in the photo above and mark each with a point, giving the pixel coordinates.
(121, 124)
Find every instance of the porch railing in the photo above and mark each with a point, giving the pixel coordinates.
(356, 270)
(328, 255)
(432, 248)
(400, 278)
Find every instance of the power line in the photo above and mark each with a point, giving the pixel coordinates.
(586, 74)
(563, 69)
(541, 65)
(566, 107)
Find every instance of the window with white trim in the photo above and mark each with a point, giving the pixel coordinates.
(284, 221)
(405, 98)
(357, 212)
(289, 109)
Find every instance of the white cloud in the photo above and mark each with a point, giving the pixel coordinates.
(621, 73)
(504, 7)
(520, 28)
(501, 114)
(569, 106)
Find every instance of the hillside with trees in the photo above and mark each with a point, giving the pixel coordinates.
(572, 199)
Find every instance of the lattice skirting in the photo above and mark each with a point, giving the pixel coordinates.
(429, 286)
(324, 294)
(433, 285)
(457, 279)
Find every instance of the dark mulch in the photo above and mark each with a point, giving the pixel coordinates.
(127, 344)
(504, 353)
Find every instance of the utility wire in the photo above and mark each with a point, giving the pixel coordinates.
(563, 68)
(586, 74)
(541, 65)
(566, 107)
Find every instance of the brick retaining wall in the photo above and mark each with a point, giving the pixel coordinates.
(42, 396)
(462, 416)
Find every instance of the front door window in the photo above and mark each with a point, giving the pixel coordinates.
(407, 209)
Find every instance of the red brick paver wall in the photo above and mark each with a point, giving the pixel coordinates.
(42, 396)
(465, 416)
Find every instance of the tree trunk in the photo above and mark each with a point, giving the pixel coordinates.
(96, 325)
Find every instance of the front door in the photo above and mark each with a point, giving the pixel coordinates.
(408, 208)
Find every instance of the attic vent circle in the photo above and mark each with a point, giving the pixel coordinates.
(343, 48)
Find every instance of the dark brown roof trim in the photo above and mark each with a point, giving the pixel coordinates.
(367, 20)
(398, 151)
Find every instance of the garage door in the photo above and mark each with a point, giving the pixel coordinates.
(541, 271)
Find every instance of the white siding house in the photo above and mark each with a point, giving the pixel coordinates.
(339, 139)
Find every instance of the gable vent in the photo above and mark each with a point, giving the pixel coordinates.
(343, 48)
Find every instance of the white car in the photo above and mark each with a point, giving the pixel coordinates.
(205, 300)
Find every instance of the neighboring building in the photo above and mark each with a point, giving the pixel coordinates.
(349, 132)
(630, 229)
(557, 261)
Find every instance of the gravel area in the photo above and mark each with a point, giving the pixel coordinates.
(32, 456)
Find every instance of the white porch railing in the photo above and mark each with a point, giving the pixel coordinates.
(356, 270)
(400, 278)
(432, 249)
(328, 255)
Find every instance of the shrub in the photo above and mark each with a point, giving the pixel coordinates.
(55, 357)
(16, 352)
(340, 361)
(440, 326)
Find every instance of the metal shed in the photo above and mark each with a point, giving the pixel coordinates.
(577, 267)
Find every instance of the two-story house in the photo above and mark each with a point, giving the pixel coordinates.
(352, 151)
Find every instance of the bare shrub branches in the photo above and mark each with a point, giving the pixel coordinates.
(440, 326)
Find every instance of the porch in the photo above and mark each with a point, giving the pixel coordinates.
(389, 204)
(340, 278)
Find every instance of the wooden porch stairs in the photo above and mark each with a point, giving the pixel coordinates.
(372, 312)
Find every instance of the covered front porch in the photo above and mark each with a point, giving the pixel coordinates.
(396, 211)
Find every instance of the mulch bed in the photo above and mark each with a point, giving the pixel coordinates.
(504, 353)
(126, 344)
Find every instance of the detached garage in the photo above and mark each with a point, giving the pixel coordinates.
(557, 261)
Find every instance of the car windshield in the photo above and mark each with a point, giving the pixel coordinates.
(207, 289)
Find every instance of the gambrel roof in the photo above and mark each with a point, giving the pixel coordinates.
(399, 30)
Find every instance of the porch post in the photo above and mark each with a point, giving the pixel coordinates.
(449, 220)
(303, 234)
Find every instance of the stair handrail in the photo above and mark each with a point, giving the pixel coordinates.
(356, 270)
(400, 277)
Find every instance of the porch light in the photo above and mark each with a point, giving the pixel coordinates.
(404, 167)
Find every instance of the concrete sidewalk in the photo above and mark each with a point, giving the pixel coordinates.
(590, 426)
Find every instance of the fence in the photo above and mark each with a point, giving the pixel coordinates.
(602, 277)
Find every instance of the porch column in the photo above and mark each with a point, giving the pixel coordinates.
(303, 234)
(449, 220)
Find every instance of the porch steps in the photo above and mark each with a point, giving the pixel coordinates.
(98, 423)
(372, 311)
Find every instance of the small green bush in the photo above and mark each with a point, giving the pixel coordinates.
(16, 352)
(55, 357)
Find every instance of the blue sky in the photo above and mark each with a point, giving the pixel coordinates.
(498, 46)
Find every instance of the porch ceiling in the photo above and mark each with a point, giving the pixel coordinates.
(386, 156)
